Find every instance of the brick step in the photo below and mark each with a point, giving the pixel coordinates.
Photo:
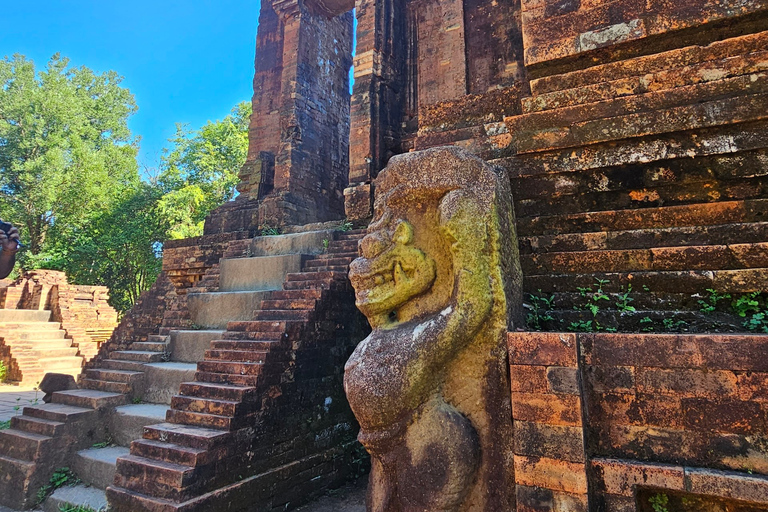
(106, 386)
(51, 363)
(644, 114)
(308, 304)
(321, 284)
(246, 356)
(137, 355)
(37, 426)
(149, 346)
(342, 245)
(36, 352)
(673, 194)
(116, 364)
(296, 295)
(690, 215)
(88, 398)
(230, 367)
(328, 268)
(706, 257)
(169, 452)
(236, 380)
(647, 238)
(114, 375)
(650, 300)
(724, 281)
(658, 79)
(315, 276)
(643, 65)
(324, 262)
(169, 480)
(201, 419)
(187, 435)
(58, 412)
(217, 391)
(351, 255)
(157, 338)
(246, 344)
(284, 314)
(636, 185)
(646, 321)
(352, 234)
(270, 337)
(41, 334)
(23, 445)
(261, 326)
(213, 406)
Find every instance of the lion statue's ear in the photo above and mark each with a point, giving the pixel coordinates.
(403, 233)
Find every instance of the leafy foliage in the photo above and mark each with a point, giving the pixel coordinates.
(65, 148)
(200, 171)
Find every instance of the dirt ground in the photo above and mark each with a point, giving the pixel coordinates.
(350, 498)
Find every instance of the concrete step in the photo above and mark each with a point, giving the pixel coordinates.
(117, 364)
(79, 495)
(190, 346)
(214, 309)
(58, 412)
(24, 315)
(91, 399)
(157, 338)
(36, 426)
(149, 346)
(37, 352)
(259, 273)
(308, 242)
(22, 445)
(53, 364)
(127, 422)
(114, 375)
(96, 466)
(136, 355)
(106, 386)
(164, 379)
(21, 326)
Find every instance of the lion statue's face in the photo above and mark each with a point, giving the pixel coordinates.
(390, 272)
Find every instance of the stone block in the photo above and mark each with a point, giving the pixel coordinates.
(214, 310)
(528, 379)
(564, 380)
(309, 242)
(730, 485)
(257, 273)
(555, 474)
(190, 346)
(542, 348)
(620, 477)
(540, 440)
(547, 408)
(539, 499)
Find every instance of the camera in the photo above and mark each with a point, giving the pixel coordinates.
(5, 226)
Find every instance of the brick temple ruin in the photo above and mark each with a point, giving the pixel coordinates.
(635, 135)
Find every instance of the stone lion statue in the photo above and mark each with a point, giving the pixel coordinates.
(440, 283)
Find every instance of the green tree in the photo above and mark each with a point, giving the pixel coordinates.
(66, 152)
(120, 247)
(200, 171)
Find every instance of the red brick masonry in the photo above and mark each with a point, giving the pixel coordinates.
(600, 417)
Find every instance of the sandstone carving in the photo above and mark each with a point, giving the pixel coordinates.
(439, 281)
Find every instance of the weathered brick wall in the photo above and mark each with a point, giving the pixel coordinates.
(603, 421)
(186, 261)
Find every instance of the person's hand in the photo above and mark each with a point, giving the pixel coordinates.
(10, 242)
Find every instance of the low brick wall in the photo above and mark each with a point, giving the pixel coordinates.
(602, 421)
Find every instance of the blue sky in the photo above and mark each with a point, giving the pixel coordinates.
(185, 61)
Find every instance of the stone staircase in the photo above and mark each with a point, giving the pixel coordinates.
(132, 389)
(216, 440)
(35, 346)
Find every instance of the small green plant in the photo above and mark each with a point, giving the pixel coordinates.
(60, 478)
(3, 371)
(647, 324)
(594, 300)
(4, 425)
(659, 502)
(710, 303)
(540, 307)
(623, 300)
(267, 230)
(137, 400)
(196, 327)
(345, 226)
(326, 243)
(671, 325)
(107, 442)
(754, 309)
